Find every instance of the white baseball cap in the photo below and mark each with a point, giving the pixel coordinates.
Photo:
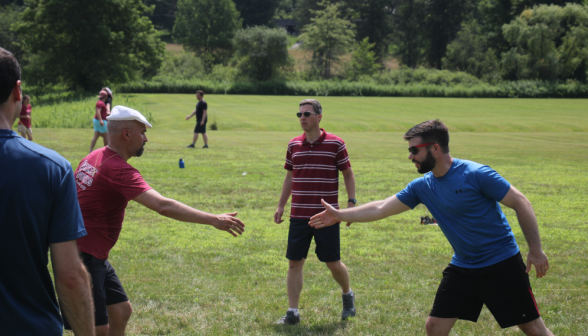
(120, 112)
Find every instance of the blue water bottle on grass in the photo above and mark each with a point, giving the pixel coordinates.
(181, 163)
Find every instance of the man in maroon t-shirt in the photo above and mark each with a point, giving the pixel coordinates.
(106, 183)
(99, 121)
(313, 162)
(24, 123)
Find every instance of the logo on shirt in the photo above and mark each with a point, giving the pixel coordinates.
(458, 191)
(85, 174)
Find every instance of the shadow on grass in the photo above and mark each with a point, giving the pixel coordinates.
(314, 329)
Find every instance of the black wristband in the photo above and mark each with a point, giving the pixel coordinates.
(352, 200)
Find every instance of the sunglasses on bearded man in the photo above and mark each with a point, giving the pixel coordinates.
(414, 150)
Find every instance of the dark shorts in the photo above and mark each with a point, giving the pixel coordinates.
(106, 288)
(328, 244)
(503, 287)
(200, 129)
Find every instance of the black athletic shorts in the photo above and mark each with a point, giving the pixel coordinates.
(106, 288)
(503, 287)
(328, 244)
(200, 129)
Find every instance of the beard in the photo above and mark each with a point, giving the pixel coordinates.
(139, 152)
(427, 165)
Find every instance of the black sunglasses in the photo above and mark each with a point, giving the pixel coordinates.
(414, 150)
(306, 114)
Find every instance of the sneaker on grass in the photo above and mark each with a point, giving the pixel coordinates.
(205, 146)
(190, 146)
(348, 306)
(289, 319)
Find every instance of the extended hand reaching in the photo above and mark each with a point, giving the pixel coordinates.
(326, 218)
(228, 222)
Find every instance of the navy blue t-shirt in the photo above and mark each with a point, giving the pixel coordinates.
(464, 202)
(200, 107)
(38, 207)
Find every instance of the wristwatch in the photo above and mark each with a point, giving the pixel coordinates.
(352, 200)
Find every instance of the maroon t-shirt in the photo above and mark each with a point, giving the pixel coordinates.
(100, 105)
(25, 111)
(315, 172)
(106, 184)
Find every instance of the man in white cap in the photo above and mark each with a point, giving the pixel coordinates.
(105, 184)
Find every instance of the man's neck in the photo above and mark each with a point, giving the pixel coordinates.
(6, 118)
(443, 165)
(120, 153)
(313, 135)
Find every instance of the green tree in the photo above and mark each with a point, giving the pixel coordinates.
(328, 36)
(262, 51)
(409, 41)
(470, 53)
(364, 61)
(88, 44)
(548, 42)
(256, 12)
(9, 39)
(164, 13)
(374, 20)
(207, 27)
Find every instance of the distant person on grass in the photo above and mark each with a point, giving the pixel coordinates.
(39, 212)
(464, 196)
(24, 123)
(100, 122)
(106, 183)
(108, 101)
(201, 119)
(313, 162)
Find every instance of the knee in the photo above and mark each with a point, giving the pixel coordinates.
(335, 266)
(126, 311)
(295, 265)
(431, 326)
(122, 313)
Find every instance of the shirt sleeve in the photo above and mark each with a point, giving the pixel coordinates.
(129, 183)
(204, 106)
(288, 165)
(409, 196)
(491, 183)
(342, 157)
(66, 222)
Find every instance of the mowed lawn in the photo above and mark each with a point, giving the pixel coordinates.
(190, 279)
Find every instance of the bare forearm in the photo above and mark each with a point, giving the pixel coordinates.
(349, 179)
(179, 211)
(192, 114)
(76, 302)
(286, 192)
(528, 223)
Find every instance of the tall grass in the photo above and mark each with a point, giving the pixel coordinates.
(77, 114)
(465, 89)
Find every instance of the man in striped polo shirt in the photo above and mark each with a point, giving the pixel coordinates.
(313, 161)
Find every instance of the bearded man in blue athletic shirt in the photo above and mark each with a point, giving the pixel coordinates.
(464, 196)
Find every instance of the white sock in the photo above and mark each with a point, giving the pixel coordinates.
(295, 310)
(350, 291)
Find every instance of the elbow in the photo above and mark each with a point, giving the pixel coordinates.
(165, 208)
(73, 282)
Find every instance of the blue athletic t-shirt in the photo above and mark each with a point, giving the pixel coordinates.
(464, 202)
(38, 207)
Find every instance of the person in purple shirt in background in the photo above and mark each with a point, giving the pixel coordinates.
(464, 196)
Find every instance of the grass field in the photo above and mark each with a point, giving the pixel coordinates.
(187, 279)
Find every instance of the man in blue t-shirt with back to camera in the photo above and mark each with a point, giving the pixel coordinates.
(464, 196)
(39, 211)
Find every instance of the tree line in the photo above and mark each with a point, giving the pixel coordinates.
(85, 44)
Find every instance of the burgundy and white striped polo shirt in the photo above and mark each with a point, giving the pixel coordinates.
(315, 172)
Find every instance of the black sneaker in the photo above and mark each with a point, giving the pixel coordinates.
(190, 146)
(348, 306)
(289, 319)
(205, 146)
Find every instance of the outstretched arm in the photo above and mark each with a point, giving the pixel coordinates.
(72, 284)
(286, 191)
(370, 212)
(179, 211)
(515, 200)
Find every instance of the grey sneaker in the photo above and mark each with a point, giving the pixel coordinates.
(190, 146)
(289, 319)
(348, 306)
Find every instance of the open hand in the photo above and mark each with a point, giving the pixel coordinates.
(228, 222)
(326, 218)
(539, 259)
